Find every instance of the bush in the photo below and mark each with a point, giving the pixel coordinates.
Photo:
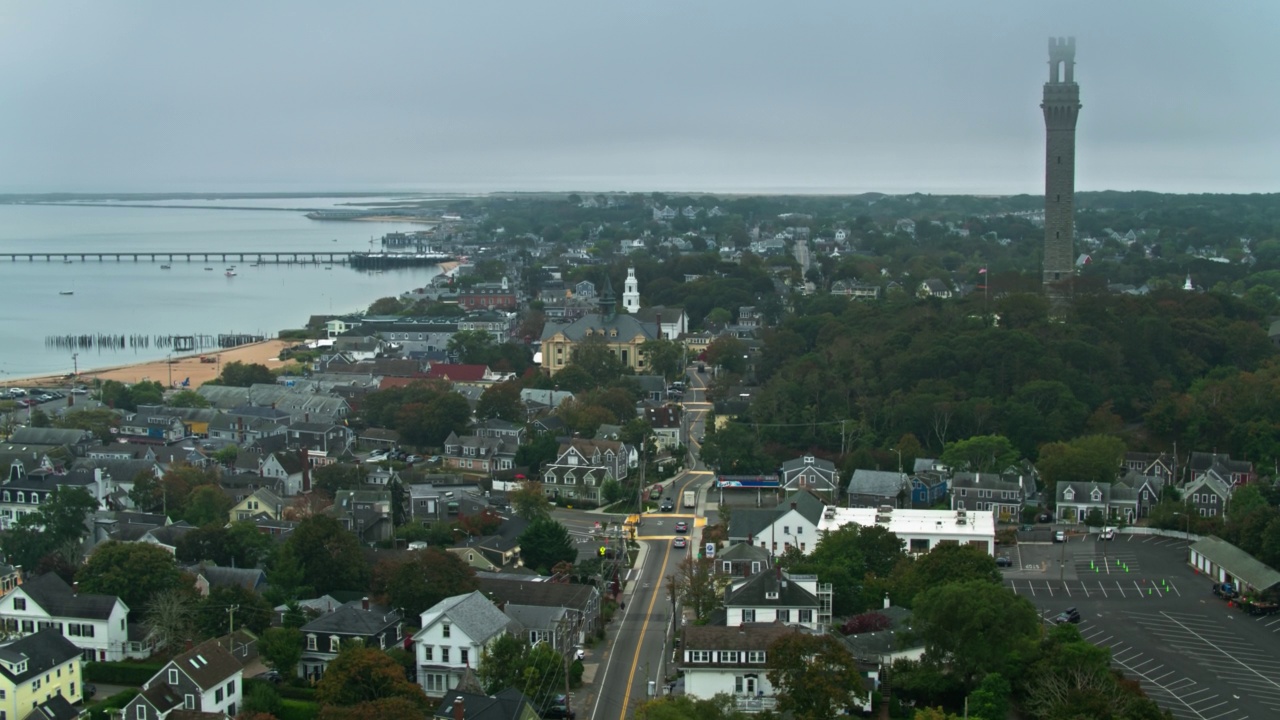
(297, 710)
(289, 692)
(120, 673)
(866, 622)
(261, 697)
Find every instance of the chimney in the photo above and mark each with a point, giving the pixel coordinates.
(75, 588)
(306, 417)
(188, 643)
(459, 710)
(793, 506)
(886, 601)
(364, 603)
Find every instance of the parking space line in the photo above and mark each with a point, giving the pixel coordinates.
(1067, 587)
(1104, 590)
(1121, 589)
(1032, 587)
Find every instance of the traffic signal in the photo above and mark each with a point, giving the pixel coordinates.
(601, 551)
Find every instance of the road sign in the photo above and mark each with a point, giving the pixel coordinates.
(711, 550)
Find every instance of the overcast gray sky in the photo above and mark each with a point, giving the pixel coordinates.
(733, 96)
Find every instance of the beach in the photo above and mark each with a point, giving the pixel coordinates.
(181, 368)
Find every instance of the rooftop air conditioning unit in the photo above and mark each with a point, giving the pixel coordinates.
(829, 513)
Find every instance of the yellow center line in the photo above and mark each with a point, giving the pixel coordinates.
(644, 627)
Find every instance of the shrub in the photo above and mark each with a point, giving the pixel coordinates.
(101, 710)
(120, 673)
(261, 697)
(866, 622)
(297, 710)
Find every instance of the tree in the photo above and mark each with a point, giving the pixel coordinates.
(1091, 459)
(976, 628)
(360, 674)
(134, 572)
(260, 700)
(386, 306)
(664, 357)
(338, 476)
(422, 579)
(991, 698)
(39, 418)
(696, 585)
(227, 455)
(544, 543)
(239, 374)
(207, 504)
(330, 556)
(684, 707)
(611, 491)
(502, 663)
(529, 502)
(729, 353)
(472, 347)
(187, 399)
(281, 649)
(170, 619)
(856, 561)
(501, 401)
(98, 421)
(948, 563)
(392, 708)
(286, 577)
(594, 357)
(57, 526)
(980, 453)
(252, 611)
(814, 675)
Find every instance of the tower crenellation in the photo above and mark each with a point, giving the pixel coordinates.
(1061, 107)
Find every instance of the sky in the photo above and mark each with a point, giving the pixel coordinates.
(719, 96)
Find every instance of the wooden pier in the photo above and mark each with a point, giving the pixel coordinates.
(355, 259)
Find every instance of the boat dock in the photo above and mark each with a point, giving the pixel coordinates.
(354, 259)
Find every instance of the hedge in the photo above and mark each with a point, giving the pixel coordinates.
(297, 710)
(284, 690)
(120, 673)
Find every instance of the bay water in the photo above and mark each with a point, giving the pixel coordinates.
(139, 298)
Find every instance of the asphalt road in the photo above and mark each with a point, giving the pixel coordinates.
(1194, 656)
(640, 639)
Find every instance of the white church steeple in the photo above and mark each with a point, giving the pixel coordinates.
(631, 292)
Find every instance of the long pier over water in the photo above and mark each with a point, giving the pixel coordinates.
(354, 259)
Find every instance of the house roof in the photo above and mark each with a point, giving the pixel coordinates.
(748, 636)
(56, 597)
(524, 591)
(627, 327)
(48, 436)
(986, 481)
(807, 504)
(745, 551)
(43, 651)
(510, 704)
(458, 373)
(247, 578)
(880, 483)
(535, 617)
(750, 522)
(55, 708)
(473, 613)
(755, 590)
(1237, 562)
(873, 646)
(353, 619)
(800, 463)
(209, 664)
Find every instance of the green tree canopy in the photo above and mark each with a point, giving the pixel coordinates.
(545, 543)
(976, 628)
(501, 401)
(944, 564)
(134, 572)
(187, 399)
(980, 453)
(814, 676)
(424, 578)
(360, 675)
(239, 374)
(329, 555)
(281, 649)
(856, 560)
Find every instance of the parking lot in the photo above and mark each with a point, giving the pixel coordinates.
(1136, 596)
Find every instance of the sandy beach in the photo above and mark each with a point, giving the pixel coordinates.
(183, 367)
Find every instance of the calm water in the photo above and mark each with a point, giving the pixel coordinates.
(128, 298)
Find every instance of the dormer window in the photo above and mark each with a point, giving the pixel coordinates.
(22, 497)
(1068, 494)
(173, 677)
(771, 595)
(1097, 496)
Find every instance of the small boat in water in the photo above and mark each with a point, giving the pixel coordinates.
(328, 267)
(66, 292)
(165, 267)
(231, 273)
(208, 268)
(66, 262)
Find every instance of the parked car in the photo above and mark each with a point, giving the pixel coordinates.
(1004, 561)
(1070, 615)
(79, 391)
(411, 459)
(1060, 536)
(270, 676)
(89, 690)
(434, 459)
(1107, 534)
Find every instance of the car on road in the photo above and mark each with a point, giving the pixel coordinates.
(680, 543)
(667, 505)
(1070, 615)
(434, 459)
(270, 676)
(1107, 534)
(411, 459)
(377, 456)
(79, 391)
(1004, 561)
(682, 527)
(1060, 536)
(702, 368)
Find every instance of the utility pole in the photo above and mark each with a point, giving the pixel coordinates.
(232, 612)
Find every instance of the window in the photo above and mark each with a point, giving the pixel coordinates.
(464, 657)
(726, 566)
(784, 615)
(806, 616)
(333, 643)
(311, 642)
(444, 654)
(799, 529)
(699, 656)
(756, 656)
(435, 682)
(190, 702)
(22, 496)
(748, 616)
(231, 688)
(142, 712)
(19, 603)
(428, 653)
(28, 626)
(173, 677)
(35, 684)
(728, 656)
(444, 630)
(217, 695)
(786, 529)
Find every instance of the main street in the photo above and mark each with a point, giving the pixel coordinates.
(638, 654)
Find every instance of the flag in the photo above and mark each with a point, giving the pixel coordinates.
(982, 271)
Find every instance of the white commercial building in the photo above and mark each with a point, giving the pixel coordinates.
(919, 530)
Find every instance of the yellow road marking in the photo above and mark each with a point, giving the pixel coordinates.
(644, 627)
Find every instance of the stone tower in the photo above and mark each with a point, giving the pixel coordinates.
(1061, 107)
(631, 292)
